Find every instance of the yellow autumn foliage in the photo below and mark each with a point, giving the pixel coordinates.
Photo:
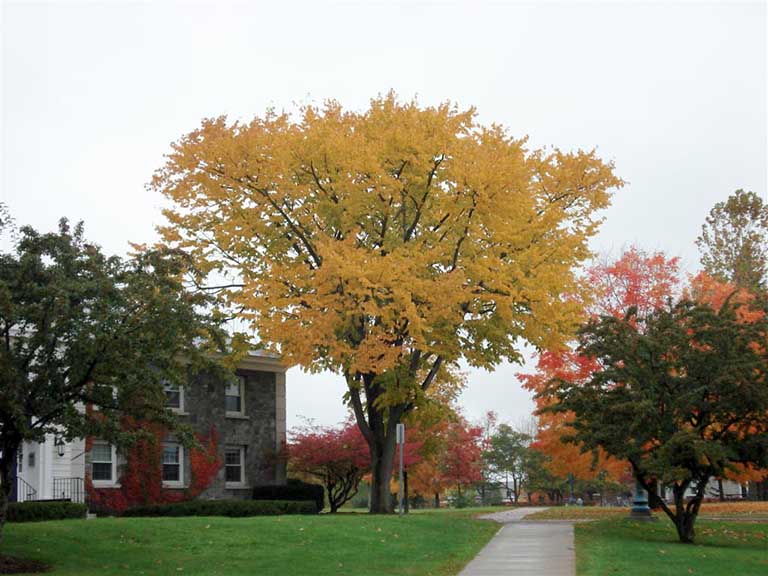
(387, 238)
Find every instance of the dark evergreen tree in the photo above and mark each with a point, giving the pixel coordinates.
(80, 329)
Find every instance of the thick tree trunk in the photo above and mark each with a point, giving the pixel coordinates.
(654, 500)
(437, 499)
(6, 481)
(684, 516)
(378, 424)
(685, 531)
(720, 489)
(382, 463)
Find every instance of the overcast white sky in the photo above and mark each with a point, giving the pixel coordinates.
(93, 93)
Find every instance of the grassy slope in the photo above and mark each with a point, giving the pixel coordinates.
(351, 544)
(619, 546)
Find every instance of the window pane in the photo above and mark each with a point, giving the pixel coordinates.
(101, 471)
(233, 388)
(232, 474)
(101, 453)
(232, 403)
(232, 457)
(172, 398)
(171, 454)
(171, 472)
(233, 465)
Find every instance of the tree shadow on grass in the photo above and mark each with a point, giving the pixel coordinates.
(13, 565)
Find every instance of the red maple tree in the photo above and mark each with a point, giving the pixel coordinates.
(453, 458)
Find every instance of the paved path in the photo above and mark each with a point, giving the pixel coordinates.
(523, 548)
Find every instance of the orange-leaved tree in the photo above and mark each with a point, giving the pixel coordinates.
(636, 279)
(386, 245)
(451, 458)
(705, 288)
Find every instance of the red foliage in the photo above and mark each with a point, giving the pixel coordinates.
(640, 279)
(462, 462)
(637, 279)
(454, 458)
(316, 447)
(141, 481)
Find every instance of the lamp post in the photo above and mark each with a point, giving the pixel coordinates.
(640, 509)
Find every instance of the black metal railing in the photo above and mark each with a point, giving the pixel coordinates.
(25, 492)
(72, 489)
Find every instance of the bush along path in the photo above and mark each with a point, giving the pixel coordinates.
(529, 548)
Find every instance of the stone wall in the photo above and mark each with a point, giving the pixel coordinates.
(261, 430)
(257, 429)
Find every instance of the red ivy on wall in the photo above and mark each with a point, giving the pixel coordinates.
(141, 481)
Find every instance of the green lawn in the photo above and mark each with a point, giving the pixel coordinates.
(719, 510)
(627, 548)
(353, 544)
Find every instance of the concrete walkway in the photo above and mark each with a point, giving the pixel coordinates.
(525, 548)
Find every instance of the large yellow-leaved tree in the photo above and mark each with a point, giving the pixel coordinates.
(386, 245)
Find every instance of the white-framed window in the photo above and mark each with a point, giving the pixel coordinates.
(234, 466)
(234, 397)
(31, 460)
(173, 464)
(174, 397)
(103, 464)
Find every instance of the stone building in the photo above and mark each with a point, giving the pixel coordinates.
(247, 413)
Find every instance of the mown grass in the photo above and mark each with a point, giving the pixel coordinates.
(746, 510)
(620, 546)
(423, 544)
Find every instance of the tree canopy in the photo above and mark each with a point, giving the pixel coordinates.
(386, 245)
(636, 279)
(451, 458)
(680, 394)
(80, 329)
(734, 241)
(507, 456)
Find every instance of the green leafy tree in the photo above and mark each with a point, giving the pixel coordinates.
(78, 328)
(539, 477)
(734, 241)
(680, 394)
(507, 458)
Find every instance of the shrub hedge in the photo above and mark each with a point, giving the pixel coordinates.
(231, 508)
(44, 510)
(295, 490)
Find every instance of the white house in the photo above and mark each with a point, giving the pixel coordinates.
(52, 469)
